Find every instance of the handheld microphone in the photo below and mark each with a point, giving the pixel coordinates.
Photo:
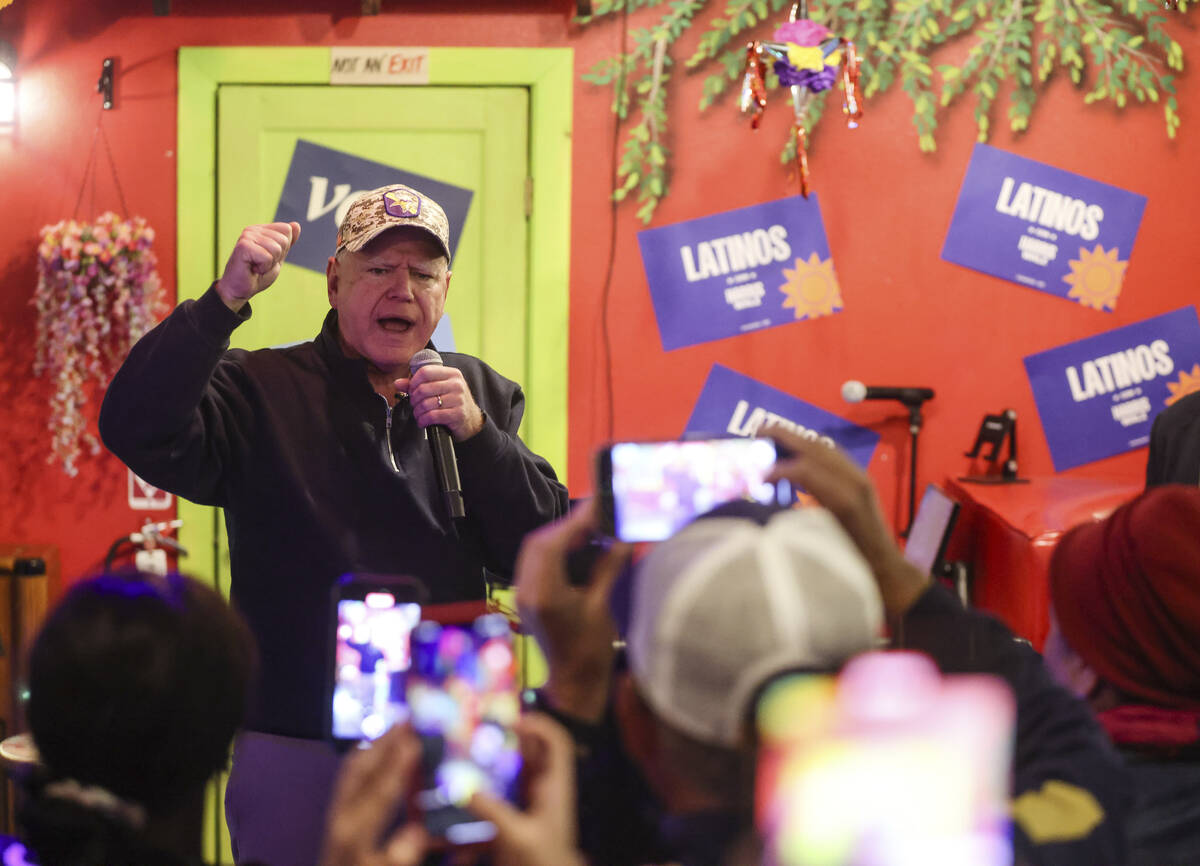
(441, 443)
(855, 392)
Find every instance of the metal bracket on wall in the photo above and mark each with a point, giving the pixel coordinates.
(105, 85)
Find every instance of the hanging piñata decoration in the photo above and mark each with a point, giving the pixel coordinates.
(806, 58)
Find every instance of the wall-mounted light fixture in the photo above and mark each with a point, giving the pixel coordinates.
(8, 87)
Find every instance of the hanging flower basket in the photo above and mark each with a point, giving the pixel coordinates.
(98, 291)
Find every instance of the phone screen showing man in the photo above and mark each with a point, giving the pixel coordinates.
(372, 657)
(657, 487)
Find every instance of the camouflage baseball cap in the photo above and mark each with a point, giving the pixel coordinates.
(372, 213)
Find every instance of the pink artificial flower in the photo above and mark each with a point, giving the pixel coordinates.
(804, 32)
(97, 292)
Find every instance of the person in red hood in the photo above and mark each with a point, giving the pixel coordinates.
(1125, 636)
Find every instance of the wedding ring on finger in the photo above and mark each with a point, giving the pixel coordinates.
(439, 399)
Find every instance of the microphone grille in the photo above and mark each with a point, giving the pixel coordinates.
(423, 358)
(854, 391)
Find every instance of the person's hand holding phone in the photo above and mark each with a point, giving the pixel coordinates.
(572, 624)
(545, 833)
(371, 787)
(838, 484)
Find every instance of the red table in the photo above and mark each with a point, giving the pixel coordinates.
(1006, 533)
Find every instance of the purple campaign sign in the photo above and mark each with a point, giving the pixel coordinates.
(320, 184)
(1044, 228)
(1098, 397)
(738, 271)
(733, 404)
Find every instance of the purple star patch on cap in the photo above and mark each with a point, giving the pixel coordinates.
(403, 203)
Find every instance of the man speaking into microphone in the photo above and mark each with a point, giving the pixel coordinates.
(318, 453)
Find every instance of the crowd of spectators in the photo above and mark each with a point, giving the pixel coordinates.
(642, 747)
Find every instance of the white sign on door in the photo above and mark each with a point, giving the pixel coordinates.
(366, 65)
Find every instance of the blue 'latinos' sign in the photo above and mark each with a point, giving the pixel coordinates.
(320, 184)
(738, 271)
(1098, 397)
(731, 404)
(1044, 228)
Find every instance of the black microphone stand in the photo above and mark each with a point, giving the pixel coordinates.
(915, 420)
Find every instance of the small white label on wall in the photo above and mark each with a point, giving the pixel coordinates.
(144, 496)
(366, 65)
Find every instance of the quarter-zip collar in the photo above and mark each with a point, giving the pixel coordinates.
(349, 373)
(354, 384)
(387, 427)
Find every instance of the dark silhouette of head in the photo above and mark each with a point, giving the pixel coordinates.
(137, 685)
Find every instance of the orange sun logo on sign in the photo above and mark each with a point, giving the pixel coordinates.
(812, 288)
(1096, 278)
(1188, 383)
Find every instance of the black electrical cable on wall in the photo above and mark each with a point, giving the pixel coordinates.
(610, 397)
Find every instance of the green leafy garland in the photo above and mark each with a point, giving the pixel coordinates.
(1021, 42)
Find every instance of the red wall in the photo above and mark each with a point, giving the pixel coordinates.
(909, 317)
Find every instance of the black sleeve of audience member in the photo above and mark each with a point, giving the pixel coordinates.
(1057, 737)
(617, 812)
(1154, 454)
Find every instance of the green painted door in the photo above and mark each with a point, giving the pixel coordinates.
(475, 138)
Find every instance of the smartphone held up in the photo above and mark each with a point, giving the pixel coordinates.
(464, 700)
(373, 619)
(457, 685)
(888, 764)
(649, 490)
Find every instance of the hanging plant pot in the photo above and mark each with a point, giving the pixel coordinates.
(98, 291)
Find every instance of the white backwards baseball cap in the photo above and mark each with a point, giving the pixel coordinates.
(737, 597)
